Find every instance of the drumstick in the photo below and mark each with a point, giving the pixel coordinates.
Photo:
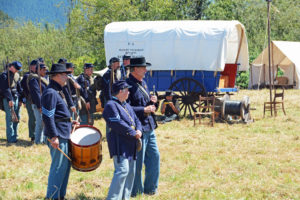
(75, 125)
(61, 151)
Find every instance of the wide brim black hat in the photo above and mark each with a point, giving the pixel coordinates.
(58, 68)
(139, 62)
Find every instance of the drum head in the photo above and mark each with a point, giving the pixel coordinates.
(85, 136)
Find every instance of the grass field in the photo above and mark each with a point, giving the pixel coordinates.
(260, 160)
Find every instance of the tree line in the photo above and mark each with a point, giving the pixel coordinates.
(82, 39)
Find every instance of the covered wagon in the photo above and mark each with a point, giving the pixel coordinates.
(189, 57)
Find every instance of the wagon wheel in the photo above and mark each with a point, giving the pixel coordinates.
(188, 91)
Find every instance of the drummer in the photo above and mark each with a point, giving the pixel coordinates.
(57, 121)
(122, 138)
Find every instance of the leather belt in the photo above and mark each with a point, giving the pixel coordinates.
(66, 119)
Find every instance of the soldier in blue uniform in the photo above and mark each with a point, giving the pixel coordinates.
(28, 100)
(144, 106)
(73, 89)
(88, 94)
(124, 130)
(36, 85)
(11, 89)
(125, 64)
(57, 121)
(114, 66)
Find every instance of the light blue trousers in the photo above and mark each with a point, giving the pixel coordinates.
(149, 155)
(38, 132)
(31, 119)
(59, 171)
(11, 127)
(122, 182)
(84, 119)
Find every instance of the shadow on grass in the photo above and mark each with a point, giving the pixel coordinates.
(81, 196)
(20, 142)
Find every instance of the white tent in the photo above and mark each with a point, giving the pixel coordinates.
(284, 55)
(179, 45)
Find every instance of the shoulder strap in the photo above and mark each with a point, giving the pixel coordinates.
(142, 89)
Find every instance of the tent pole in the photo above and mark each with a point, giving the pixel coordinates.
(251, 76)
(264, 73)
(269, 55)
(273, 66)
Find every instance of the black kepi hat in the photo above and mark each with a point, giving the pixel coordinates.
(87, 65)
(125, 57)
(58, 68)
(42, 66)
(41, 59)
(17, 65)
(69, 65)
(139, 62)
(62, 61)
(33, 62)
(113, 60)
(119, 85)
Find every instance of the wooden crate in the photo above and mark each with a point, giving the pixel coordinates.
(224, 81)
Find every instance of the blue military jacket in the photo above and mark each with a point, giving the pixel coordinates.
(54, 108)
(35, 91)
(138, 100)
(24, 83)
(68, 97)
(15, 91)
(106, 92)
(84, 82)
(122, 123)
(70, 91)
(71, 86)
(123, 72)
(88, 92)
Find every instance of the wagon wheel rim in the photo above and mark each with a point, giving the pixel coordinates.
(188, 91)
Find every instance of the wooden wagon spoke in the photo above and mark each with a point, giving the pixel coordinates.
(177, 89)
(185, 110)
(181, 107)
(194, 88)
(188, 91)
(190, 109)
(189, 85)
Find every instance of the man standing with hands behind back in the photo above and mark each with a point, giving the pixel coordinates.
(144, 106)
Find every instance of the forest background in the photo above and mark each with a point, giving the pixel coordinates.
(79, 37)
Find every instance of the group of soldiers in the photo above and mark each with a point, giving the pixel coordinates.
(55, 101)
(80, 93)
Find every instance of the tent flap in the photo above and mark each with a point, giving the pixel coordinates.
(284, 54)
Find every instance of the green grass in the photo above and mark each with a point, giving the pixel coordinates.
(260, 160)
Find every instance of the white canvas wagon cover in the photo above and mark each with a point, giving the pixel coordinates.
(179, 45)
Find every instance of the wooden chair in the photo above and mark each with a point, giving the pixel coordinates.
(206, 107)
(275, 103)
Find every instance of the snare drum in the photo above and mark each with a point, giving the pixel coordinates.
(86, 148)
